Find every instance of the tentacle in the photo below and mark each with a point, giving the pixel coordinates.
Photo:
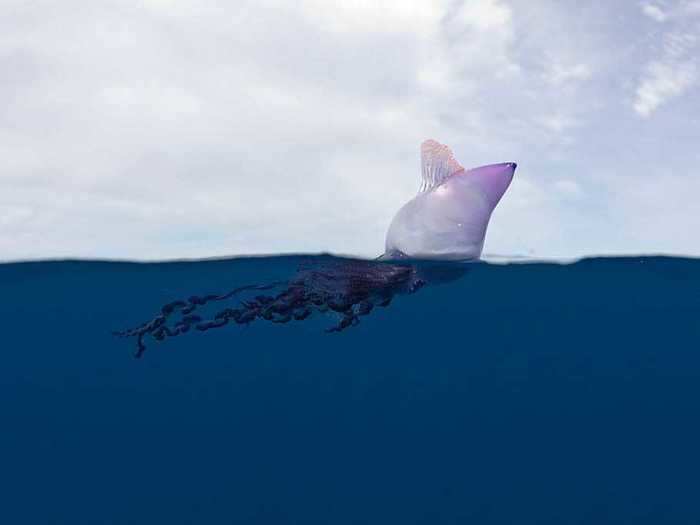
(351, 289)
(347, 321)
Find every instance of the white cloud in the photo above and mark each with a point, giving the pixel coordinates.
(654, 12)
(678, 10)
(662, 82)
(669, 76)
(487, 15)
(264, 128)
(179, 129)
(373, 16)
(558, 123)
(558, 74)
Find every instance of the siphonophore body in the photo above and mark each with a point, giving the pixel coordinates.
(445, 222)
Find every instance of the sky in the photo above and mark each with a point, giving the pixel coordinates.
(183, 129)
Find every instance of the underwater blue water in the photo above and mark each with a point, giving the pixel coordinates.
(519, 393)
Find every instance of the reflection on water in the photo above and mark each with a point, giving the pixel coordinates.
(347, 289)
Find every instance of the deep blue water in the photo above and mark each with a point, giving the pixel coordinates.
(521, 393)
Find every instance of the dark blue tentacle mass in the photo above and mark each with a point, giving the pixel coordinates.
(347, 289)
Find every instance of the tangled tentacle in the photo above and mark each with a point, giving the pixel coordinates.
(349, 289)
(159, 330)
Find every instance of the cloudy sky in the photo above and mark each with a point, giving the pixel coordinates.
(168, 129)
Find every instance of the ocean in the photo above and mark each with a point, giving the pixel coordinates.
(528, 392)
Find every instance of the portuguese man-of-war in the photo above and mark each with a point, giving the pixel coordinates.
(445, 221)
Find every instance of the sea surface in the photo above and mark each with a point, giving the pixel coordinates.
(501, 393)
